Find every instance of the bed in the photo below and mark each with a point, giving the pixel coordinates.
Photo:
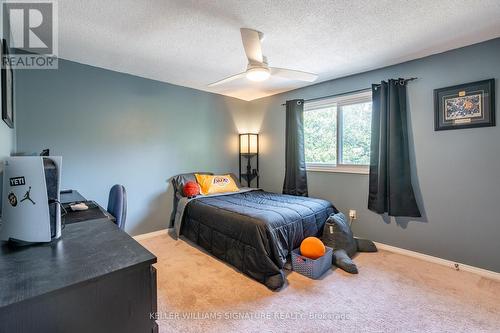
(254, 230)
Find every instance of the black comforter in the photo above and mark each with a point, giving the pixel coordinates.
(255, 231)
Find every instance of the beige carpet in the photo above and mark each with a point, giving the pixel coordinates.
(392, 293)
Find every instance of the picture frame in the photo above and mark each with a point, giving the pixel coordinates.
(7, 88)
(466, 105)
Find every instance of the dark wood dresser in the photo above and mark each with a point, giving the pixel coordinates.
(96, 278)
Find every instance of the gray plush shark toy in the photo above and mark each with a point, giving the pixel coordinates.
(337, 234)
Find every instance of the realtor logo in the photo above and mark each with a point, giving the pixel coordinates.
(30, 34)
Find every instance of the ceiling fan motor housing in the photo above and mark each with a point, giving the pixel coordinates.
(256, 64)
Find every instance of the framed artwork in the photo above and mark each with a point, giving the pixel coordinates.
(7, 100)
(465, 106)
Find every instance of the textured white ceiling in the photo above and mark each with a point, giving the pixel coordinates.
(194, 43)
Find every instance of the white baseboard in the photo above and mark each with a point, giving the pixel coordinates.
(150, 234)
(448, 263)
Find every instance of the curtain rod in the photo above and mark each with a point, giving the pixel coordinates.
(350, 92)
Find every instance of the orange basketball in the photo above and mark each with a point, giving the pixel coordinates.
(191, 189)
(312, 248)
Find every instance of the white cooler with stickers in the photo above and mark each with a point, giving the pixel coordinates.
(31, 211)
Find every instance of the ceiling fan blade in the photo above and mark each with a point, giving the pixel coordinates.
(293, 74)
(251, 43)
(227, 79)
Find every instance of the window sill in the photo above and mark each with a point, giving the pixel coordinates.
(353, 170)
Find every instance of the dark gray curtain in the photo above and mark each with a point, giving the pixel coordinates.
(295, 163)
(390, 189)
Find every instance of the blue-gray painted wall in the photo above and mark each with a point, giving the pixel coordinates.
(7, 135)
(456, 174)
(7, 147)
(7, 140)
(113, 128)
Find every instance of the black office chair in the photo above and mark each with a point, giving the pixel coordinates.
(117, 205)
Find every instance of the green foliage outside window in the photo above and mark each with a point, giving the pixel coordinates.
(356, 133)
(320, 134)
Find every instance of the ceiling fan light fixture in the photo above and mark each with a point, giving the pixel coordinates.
(258, 74)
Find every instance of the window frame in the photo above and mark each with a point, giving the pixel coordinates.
(340, 101)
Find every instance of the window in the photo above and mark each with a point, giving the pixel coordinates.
(337, 133)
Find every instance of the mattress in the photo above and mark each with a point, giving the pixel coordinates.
(254, 231)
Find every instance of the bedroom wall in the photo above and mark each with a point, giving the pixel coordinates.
(7, 136)
(7, 147)
(7, 140)
(116, 128)
(455, 173)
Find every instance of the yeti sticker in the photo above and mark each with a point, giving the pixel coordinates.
(17, 181)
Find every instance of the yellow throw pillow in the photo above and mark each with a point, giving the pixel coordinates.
(216, 184)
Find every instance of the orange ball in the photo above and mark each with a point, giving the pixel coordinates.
(191, 189)
(312, 248)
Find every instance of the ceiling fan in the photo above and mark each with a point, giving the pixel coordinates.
(258, 68)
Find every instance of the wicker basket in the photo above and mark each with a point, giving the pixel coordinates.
(311, 268)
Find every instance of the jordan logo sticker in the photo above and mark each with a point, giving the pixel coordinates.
(27, 197)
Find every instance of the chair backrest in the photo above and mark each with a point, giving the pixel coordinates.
(117, 204)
